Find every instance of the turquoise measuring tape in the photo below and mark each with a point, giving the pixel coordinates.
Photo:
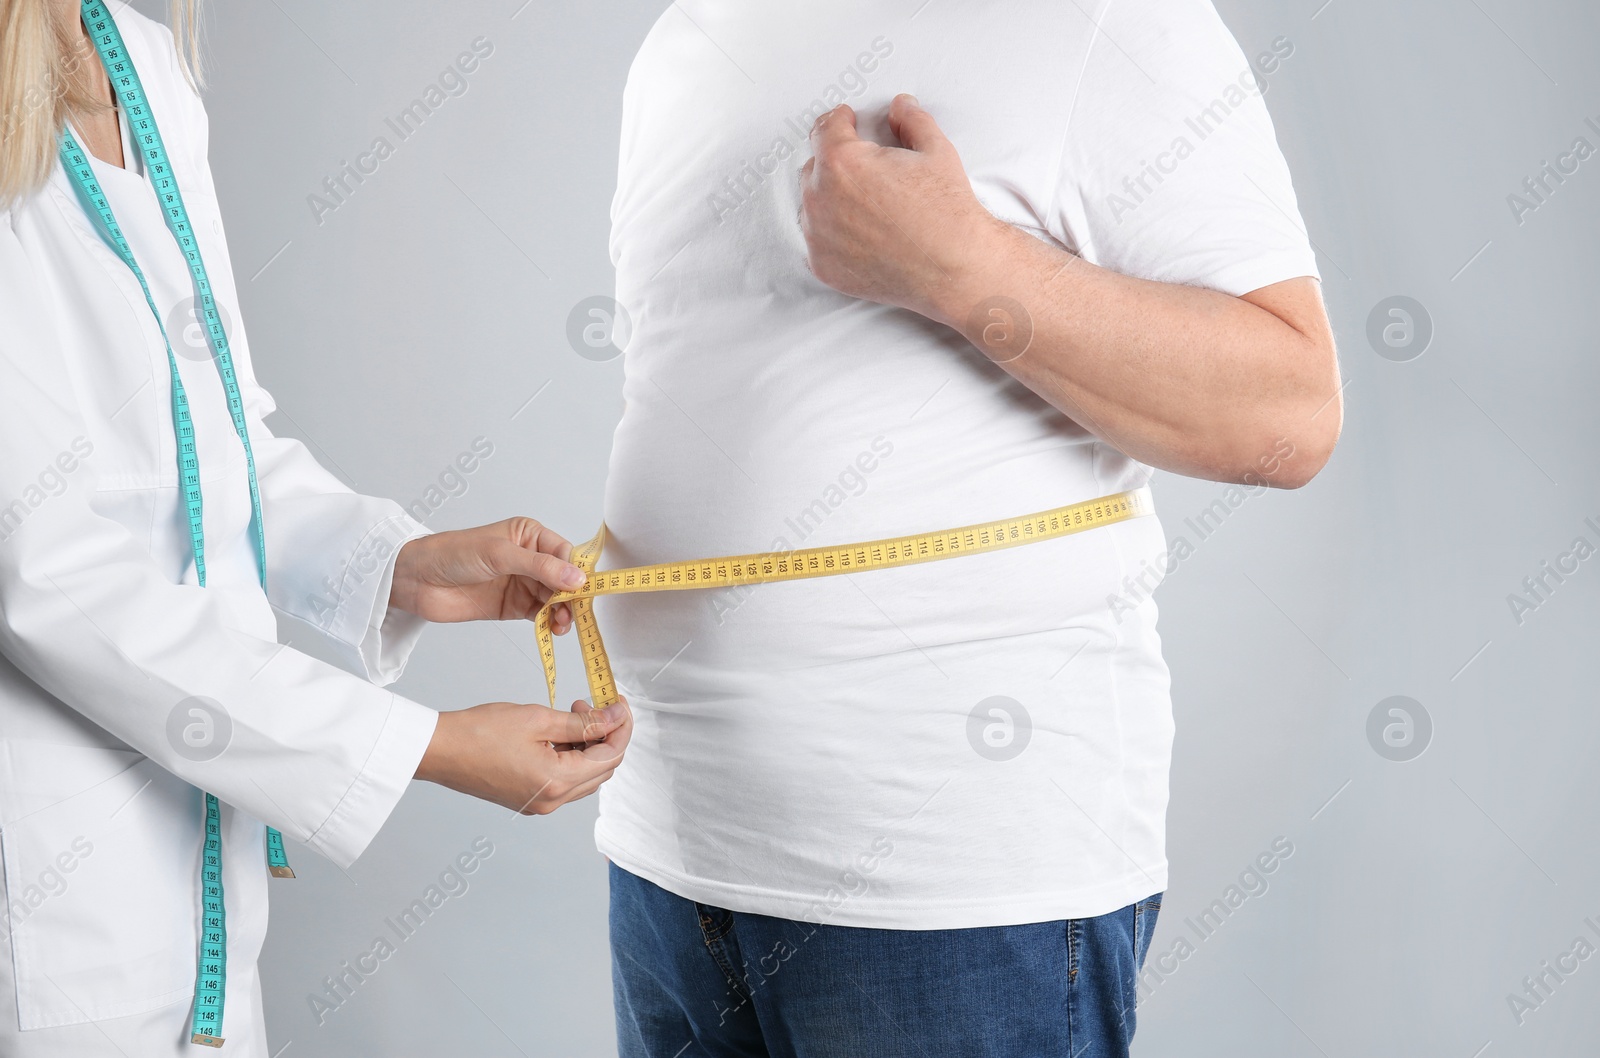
(211, 981)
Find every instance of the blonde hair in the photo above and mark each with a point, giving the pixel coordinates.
(45, 77)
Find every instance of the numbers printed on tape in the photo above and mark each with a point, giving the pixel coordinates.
(736, 570)
(277, 859)
(197, 741)
(212, 981)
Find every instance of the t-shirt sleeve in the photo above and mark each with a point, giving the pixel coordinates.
(1170, 168)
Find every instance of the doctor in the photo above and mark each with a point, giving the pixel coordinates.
(150, 524)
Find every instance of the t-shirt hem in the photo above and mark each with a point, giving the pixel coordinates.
(1010, 909)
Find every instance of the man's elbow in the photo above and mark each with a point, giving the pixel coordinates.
(1299, 448)
(1304, 419)
(1296, 473)
(1301, 411)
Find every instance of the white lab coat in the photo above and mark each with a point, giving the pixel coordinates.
(105, 636)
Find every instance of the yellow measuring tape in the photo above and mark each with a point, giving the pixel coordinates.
(736, 570)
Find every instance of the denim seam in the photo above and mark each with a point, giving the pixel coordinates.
(1071, 986)
(718, 951)
(717, 931)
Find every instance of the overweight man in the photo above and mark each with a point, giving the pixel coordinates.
(897, 267)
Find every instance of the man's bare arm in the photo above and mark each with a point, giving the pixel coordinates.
(1186, 379)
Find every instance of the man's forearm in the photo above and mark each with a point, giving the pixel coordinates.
(1182, 378)
(1186, 379)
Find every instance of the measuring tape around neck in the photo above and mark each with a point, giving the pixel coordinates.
(736, 570)
(212, 973)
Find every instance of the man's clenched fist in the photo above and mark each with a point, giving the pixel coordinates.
(895, 225)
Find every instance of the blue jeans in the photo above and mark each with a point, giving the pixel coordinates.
(694, 981)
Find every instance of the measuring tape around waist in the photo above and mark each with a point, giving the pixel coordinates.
(736, 570)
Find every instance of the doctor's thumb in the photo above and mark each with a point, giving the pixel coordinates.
(588, 724)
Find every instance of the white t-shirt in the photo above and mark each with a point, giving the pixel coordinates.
(974, 742)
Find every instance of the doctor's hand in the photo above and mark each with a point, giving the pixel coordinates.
(896, 225)
(527, 758)
(500, 572)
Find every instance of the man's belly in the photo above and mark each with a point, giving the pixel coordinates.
(672, 495)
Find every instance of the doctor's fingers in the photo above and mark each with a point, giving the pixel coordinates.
(578, 771)
(579, 793)
(547, 570)
(534, 534)
(615, 744)
(562, 783)
(583, 725)
(577, 765)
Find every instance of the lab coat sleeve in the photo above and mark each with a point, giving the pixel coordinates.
(330, 551)
(84, 612)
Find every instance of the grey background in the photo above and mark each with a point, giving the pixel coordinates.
(430, 308)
